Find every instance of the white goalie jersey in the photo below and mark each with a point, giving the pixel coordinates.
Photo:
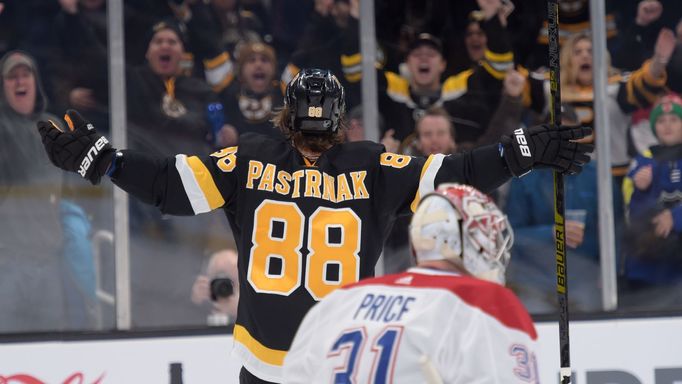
(420, 326)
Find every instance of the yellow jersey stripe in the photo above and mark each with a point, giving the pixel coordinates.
(499, 75)
(659, 82)
(206, 183)
(220, 73)
(261, 352)
(499, 57)
(198, 183)
(500, 62)
(397, 84)
(427, 178)
(351, 60)
(289, 73)
(456, 85)
(353, 77)
(417, 197)
(640, 84)
(216, 61)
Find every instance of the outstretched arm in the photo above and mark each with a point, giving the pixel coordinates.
(546, 146)
(644, 86)
(179, 185)
(153, 180)
(542, 146)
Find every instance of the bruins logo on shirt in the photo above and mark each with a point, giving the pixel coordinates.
(172, 107)
(255, 110)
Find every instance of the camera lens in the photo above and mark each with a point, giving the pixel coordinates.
(221, 288)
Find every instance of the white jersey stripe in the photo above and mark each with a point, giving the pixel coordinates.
(192, 189)
(263, 362)
(216, 74)
(256, 367)
(428, 178)
(426, 184)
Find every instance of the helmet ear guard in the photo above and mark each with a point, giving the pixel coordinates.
(459, 224)
(316, 101)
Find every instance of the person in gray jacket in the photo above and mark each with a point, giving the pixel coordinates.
(43, 237)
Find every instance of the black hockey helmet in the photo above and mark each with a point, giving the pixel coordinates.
(316, 100)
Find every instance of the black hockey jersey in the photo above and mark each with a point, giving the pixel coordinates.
(302, 229)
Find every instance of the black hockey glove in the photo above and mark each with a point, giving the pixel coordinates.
(81, 149)
(545, 146)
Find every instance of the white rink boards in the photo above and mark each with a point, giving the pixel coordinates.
(629, 351)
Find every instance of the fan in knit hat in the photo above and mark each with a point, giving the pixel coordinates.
(670, 103)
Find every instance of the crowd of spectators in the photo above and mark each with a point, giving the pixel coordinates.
(451, 76)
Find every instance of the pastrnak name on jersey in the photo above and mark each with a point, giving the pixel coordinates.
(307, 183)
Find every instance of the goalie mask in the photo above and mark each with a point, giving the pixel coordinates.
(316, 100)
(462, 225)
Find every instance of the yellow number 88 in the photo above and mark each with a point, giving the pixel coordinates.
(286, 245)
(394, 160)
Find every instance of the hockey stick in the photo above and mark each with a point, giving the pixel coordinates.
(559, 219)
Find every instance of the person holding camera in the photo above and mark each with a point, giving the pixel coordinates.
(219, 286)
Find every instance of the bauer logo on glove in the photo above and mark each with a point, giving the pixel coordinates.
(523, 144)
(546, 146)
(92, 153)
(81, 149)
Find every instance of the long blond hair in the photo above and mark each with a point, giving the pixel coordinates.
(316, 143)
(568, 73)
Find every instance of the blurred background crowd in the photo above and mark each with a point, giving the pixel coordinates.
(451, 75)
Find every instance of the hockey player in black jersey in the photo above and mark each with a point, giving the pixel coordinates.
(309, 213)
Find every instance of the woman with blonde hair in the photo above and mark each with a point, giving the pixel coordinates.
(626, 92)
